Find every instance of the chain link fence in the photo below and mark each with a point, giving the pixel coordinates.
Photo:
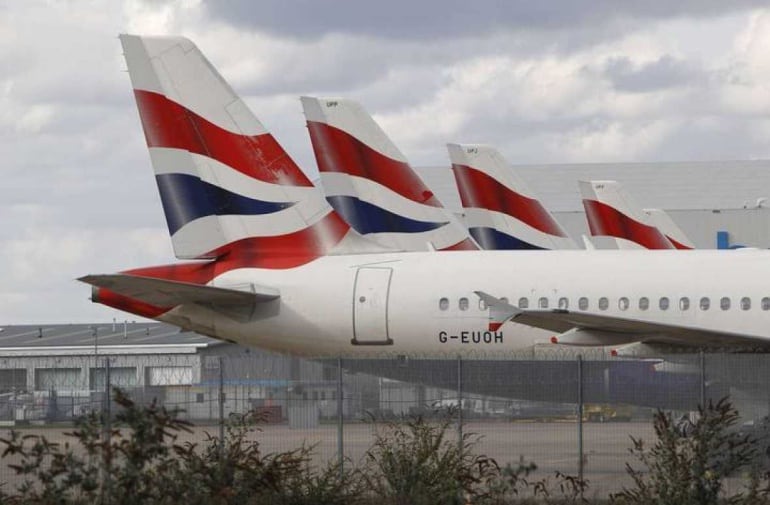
(566, 413)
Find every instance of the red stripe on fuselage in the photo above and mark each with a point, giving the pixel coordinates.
(169, 124)
(279, 252)
(604, 220)
(338, 151)
(479, 190)
(275, 253)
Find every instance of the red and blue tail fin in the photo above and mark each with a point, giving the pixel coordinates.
(500, 209)
(616, 221)
(670, 229)
(226, 185)
(369, 182)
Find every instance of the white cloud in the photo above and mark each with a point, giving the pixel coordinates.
(685, 81)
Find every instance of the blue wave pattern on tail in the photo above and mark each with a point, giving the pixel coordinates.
(186, 198)
(491, 239)
(365, 217)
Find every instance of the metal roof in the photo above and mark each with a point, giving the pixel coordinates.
(672, 186)
(104, 335)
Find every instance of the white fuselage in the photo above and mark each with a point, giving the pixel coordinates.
(392, 303)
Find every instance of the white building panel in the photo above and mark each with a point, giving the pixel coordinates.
(169, 375)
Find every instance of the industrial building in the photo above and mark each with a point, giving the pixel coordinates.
(57, 372)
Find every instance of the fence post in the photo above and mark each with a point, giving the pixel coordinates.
(580, 416)
(460, 404)
(221, 409)
(340, 412)
(702, 357)
(107, 434)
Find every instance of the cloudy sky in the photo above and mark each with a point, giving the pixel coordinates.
(547, 82)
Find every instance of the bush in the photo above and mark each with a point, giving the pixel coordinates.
(141, 463)
(690, 459)
(240, 473)
(414, 462)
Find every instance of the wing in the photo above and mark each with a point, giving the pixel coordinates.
(165, 293)
(580, 328)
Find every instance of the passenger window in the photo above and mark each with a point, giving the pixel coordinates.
(523, 302)
(482, 304)
(443, 304)
(563, 303)
(644, 303)
(705, 303)
(463, 304)
(745, 303)
(583, 303)
(623, 303)
(724, 303)
(504, 300)
(603, 303)
(766, 303)
(684, 303)
(542, 303)
(663, 303)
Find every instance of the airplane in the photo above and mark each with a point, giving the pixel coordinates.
(670, 229)
(276, 269)
(616, 221)
(370, 183)
(500, 209)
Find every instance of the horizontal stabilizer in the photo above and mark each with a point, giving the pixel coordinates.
(165, 293)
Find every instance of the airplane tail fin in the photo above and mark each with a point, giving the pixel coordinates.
(370, 183)
(616, 220)
(670, 229)
(500, 209)
(226, 185)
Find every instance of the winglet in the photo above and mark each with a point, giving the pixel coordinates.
(500, 310)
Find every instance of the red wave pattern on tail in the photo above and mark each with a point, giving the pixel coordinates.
(479, 190)
(338, 151)
(678, 245)
(169, 124)
(608, 221)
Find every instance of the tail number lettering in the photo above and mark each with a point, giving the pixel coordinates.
(472, 337)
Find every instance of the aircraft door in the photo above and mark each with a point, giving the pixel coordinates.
(370, 306)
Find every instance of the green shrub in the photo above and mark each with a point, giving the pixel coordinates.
(142, 463)
(689, 460)
(414, 461)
